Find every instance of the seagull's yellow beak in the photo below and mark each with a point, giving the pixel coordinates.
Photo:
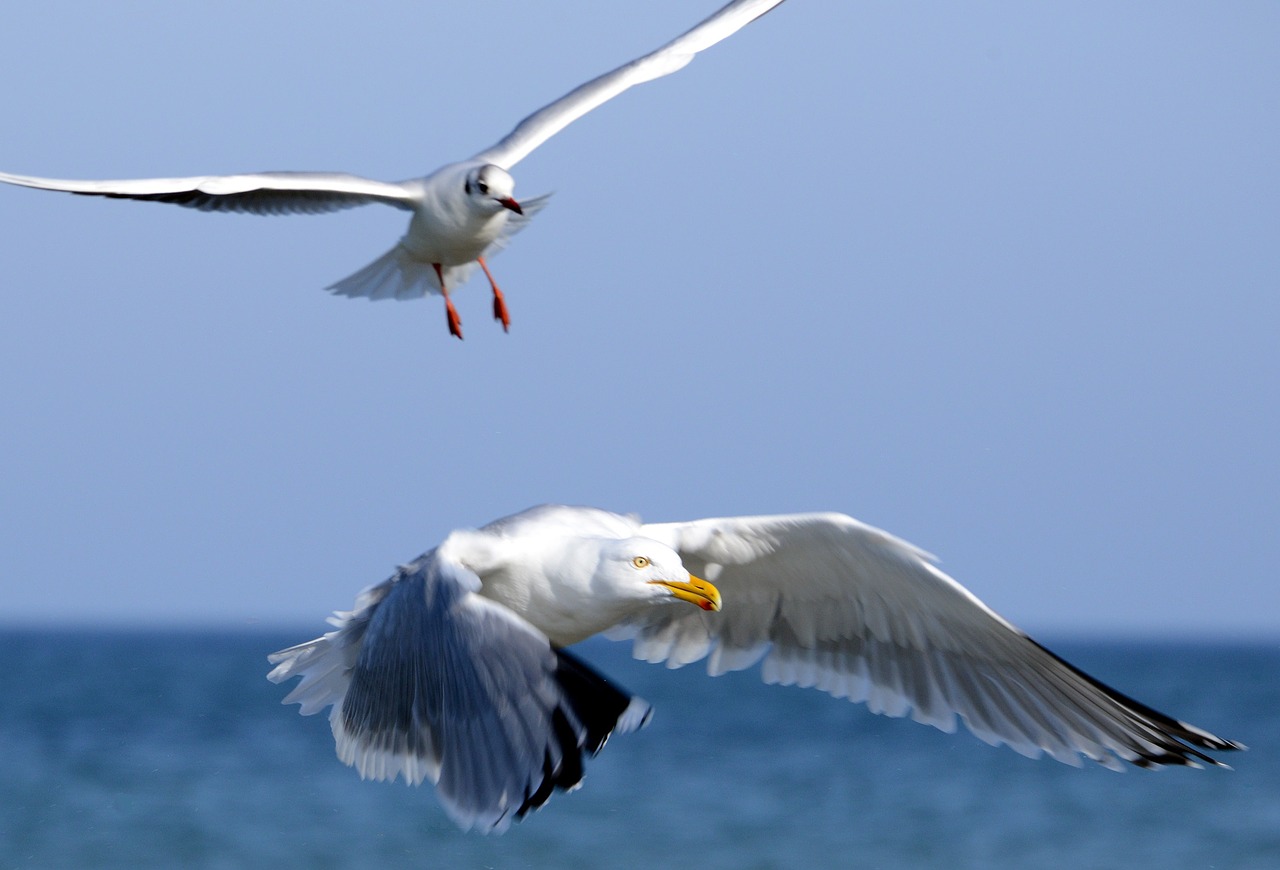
(696, 591)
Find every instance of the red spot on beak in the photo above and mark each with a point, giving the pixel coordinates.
(706, 605)
(511, 204)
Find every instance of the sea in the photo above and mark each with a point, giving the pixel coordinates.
(169, 748)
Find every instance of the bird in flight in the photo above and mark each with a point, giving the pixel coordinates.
(460, 212)
(455, 669)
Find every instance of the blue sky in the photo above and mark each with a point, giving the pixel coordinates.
(997, 277)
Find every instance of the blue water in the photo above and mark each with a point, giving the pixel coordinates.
(152, 749)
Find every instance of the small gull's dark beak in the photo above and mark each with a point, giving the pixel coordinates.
(511, 204)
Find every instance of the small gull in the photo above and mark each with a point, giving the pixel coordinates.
(454, 669)
(461, 212)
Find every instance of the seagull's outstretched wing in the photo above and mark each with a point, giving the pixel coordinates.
(551, 119)
(428, 680)
(259, 193)
(838, 605)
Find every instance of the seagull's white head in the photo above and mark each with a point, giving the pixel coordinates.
(491, 187)
(644, 569)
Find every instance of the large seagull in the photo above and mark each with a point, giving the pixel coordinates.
(454, 669)
(460, 212)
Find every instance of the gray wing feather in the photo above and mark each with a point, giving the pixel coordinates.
(830, 603)
(428, 680)
(264, 193)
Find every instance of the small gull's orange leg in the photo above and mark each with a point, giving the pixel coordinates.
(455, 322)
(499, 302)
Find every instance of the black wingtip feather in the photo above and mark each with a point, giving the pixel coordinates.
(590, 713)
(1183, 742)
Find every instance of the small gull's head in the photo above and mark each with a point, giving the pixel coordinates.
(491, 187)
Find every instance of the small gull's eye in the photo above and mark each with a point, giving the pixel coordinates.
(484, 188)
(640, 562)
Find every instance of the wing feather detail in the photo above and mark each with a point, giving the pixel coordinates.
(830, 603)
(429, 681)
(675, 55)
(264, 193)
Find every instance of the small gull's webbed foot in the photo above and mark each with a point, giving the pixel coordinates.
(455, 322)
(500, 312)
(451, 313)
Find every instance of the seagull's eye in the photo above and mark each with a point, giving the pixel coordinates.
(640, 562)
(481, 186)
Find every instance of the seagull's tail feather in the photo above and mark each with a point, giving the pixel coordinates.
(397, 275)
(330, 665)
(325, 664)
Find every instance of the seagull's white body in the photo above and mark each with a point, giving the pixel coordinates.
(461, 212)
(453, 670)
(447, 228)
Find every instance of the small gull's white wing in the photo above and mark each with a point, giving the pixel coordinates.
(265, 193)
(428, 680)
(551, 119)
(832, 603)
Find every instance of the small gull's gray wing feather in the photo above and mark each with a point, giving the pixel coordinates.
(838, 605)
(551, 119)
(265, 193)
(428, 680)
